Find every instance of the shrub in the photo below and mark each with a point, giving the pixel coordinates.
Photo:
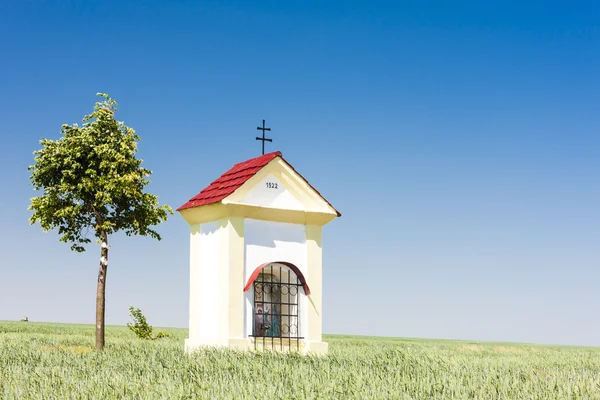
(140, 327)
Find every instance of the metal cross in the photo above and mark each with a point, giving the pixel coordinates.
(263, 129)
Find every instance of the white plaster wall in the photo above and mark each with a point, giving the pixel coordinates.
(207, 287)
(266, 241)
(272, 193)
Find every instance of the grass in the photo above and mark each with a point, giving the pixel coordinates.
(58, 361)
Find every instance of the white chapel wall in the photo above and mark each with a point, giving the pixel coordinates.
(207, 282)
(266, 241)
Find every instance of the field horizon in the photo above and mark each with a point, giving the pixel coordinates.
(350, 336)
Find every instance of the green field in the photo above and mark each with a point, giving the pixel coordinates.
(57, 361)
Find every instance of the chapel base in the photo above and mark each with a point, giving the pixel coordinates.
(317, 348)
(259, 344)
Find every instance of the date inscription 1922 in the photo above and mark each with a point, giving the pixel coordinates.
(271, 185)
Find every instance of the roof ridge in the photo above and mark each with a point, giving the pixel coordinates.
(273, 154)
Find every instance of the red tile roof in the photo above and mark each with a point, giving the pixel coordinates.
(227, 183)
(235, 177)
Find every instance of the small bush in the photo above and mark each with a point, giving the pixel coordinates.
(140, 327)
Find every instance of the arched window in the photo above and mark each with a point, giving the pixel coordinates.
(277, 291)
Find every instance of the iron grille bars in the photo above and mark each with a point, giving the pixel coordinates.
(276, 308)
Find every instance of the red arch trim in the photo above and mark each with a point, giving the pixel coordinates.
(287, 264)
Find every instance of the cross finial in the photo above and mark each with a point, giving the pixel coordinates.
(263, 138)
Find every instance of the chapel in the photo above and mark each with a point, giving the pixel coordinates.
(256, 259)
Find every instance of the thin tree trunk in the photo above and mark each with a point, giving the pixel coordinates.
(100, 292)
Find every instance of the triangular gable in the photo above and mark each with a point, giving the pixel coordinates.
(265, 181)
(295, 193)
(271, 192)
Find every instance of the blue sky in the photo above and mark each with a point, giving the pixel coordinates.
(472, 127)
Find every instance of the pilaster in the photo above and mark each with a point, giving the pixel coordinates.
(314, 338)
(235, 235)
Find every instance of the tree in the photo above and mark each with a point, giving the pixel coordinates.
(93, 184)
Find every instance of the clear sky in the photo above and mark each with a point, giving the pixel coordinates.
(460, 141)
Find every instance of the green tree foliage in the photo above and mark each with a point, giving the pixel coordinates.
(140, 326)
(93, 184)
(92, 179)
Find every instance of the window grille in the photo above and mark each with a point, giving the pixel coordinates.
(276, 309)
